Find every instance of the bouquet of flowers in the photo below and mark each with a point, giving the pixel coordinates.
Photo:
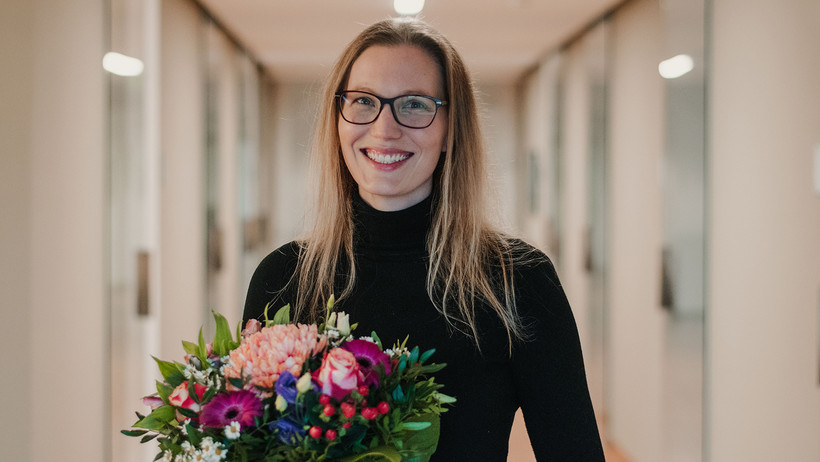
(294, 392)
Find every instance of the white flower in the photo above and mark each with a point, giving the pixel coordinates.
(167, 456)
(343, 323)
(184, 426)
(232, 431)
(187, 447)
(369, 339)
(281, 404)
(220, 453)
(207, 446)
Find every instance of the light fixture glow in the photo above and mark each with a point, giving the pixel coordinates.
(120, 64)
(676, 66)
(408, 7)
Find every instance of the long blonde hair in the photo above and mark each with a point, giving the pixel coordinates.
(470, 262)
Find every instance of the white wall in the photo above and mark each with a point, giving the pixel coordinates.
(54, 322)
(182, 241)
(636, 328)
(764, 221)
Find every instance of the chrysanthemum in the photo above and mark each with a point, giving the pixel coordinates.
(368, 355)
(262, 356)
(240, 406)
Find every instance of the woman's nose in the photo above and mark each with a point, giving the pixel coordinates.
(385, 125)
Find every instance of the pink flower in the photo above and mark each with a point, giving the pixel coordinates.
(339, 373)
(240, 406)
(368, 355)
(251, 327)
(181, 398)
(152, 402)
(262, 356)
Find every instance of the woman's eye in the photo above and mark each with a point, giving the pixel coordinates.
(416, 104)
(363, 101)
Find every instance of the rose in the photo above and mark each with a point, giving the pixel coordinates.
(339, 373)
(181, 398)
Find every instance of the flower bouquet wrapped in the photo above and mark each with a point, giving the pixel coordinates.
(294, 392)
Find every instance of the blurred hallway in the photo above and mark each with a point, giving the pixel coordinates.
(682, 212)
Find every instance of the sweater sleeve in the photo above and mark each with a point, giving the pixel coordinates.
(549, 371)
(269, 282)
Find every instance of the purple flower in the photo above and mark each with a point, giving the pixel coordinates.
(286, 387)
(289, 432)
(240, 406)
(368, 355)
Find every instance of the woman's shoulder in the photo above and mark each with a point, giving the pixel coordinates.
(286, 255)
(270, 280)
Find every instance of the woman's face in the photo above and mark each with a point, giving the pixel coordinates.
(393, 164)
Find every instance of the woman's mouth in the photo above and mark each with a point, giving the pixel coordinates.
(386, 157)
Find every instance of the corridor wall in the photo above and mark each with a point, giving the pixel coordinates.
(764, 221)
(54, 325)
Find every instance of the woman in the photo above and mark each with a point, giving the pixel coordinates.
(401, 239)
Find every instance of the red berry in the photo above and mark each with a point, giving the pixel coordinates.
(315, 431)
(331, 434)
(370, 413)
(324, 399)
(348, 410)
(329, 410)
(383, 407)
(347, 424)
(364, 390)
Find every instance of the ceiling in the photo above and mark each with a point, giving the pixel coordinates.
(298, 40)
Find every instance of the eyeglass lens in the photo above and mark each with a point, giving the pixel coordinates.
(413, 111)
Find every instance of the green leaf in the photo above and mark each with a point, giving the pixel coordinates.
(376, 339)
(133, 432)
(414, 355)
(414, 426)
(171, 372)
(158, 419)
(426, 355)
(423, 442)
(187, 413)
(444, 399)
(283, 315)
(148, 438)
(164, 390)
(223, 339)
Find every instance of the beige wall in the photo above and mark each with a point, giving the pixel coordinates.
(53, 316)
(16, 89)
(636, 328)
(764, 221)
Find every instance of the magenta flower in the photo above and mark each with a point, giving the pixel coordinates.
(368, 355)
(236, 406)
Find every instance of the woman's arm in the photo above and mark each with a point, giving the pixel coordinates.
(549, 371)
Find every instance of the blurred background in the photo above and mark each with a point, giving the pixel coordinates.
(665, 154)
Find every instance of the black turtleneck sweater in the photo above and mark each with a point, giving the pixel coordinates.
(544, 376)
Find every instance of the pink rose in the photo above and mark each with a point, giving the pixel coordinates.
(339, 373)
(181, 398)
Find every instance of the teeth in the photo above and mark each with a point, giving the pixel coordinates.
(386, 158)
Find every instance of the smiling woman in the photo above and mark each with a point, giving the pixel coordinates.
(391, 163)
(402, 239)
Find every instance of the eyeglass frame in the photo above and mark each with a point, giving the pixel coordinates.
(340, 95)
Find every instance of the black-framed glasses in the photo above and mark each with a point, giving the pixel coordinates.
(411, 111)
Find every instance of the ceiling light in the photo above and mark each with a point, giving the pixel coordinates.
(676, 66)
(408, 7)
(119, 64)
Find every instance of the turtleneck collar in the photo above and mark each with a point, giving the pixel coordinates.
(402, 230)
